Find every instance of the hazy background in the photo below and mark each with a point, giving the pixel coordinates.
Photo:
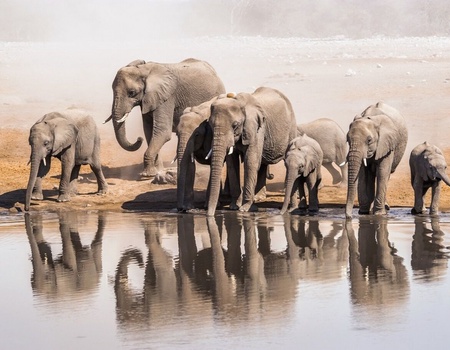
(118, 20)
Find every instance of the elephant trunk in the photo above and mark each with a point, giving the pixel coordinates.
(184, 154)
(355, 159)
(35, 163)
(291, 176)
(219, 150)
(119, 130)
(444, 177)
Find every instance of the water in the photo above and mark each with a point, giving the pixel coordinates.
(104, 280)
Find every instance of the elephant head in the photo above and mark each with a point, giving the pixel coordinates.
(49, 136)
(236, 120)
(370, 138)
(302, 157)
(147, 85)
(433, 166)
(194, 142)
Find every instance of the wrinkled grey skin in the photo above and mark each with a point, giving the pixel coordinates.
(379, 135)
(260, 126)
(303, 162)
(428, 168)
(162, 91)
(73, 138)
(333, 143)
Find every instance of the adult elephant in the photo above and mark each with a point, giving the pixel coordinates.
(377, 139)
(333, 143)
(162, 91)
(260, 125)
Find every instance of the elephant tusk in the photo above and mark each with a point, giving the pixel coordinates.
(209, 154)
(121, 120)
(107, 119)
(343, 163)
(173, 160)
(44, 161)
(29, 161)
(365, 162)
(230, 151)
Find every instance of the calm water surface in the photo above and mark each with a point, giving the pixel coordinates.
(103, 280)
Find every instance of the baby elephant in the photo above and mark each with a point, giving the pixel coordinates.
(303, 166)
(71, 137)
(427, 164)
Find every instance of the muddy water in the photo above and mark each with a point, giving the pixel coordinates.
(101, 280)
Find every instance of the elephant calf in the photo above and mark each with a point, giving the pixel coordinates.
(333, 142)
(72, 138)
(427, 165)
(303, 167)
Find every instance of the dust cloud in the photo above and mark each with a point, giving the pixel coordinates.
(65, 54)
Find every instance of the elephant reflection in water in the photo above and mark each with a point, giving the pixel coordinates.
(77, 269)
(235, 281)
(429, 254)
(377, 274)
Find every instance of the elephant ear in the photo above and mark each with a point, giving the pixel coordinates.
(387, 135)
(160, 85)
(254, 121)
(65, 133)
(312, 159)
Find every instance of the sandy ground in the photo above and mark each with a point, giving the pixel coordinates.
(323, 78)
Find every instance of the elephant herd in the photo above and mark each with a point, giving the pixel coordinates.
(248, 130)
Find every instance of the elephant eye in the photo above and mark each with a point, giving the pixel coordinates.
(132, 93)
(235, 125)
(45, 143)
(369, 140)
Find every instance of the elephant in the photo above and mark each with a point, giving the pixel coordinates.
(303, 167)
(377, 138)
(194, 143)
(333, 143)
(73, 138)
(260, 126)
(427, 165)
(163, 91)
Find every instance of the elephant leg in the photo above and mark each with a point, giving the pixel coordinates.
(260, 190)
(36, 193)
(313, 183)
(233, 176)
(189, 187)
(435, 195)
(302, 204)
(382, 177)
(102, 185)
(67, 165)
(344, 176)
(366, 185)
(419, 194)
(158, 131)
(337, 178)
(73, 180)
(252, 163)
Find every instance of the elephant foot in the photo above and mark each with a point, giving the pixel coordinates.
(342, 184)
(149, 171)
(65, 197)
(363, 211)
(248, 207)
(380, 212)
(313, 212)
(261, 195)
(234, 206)
(164, 177)
(418, 212)
(37, 196)
(101, 192)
